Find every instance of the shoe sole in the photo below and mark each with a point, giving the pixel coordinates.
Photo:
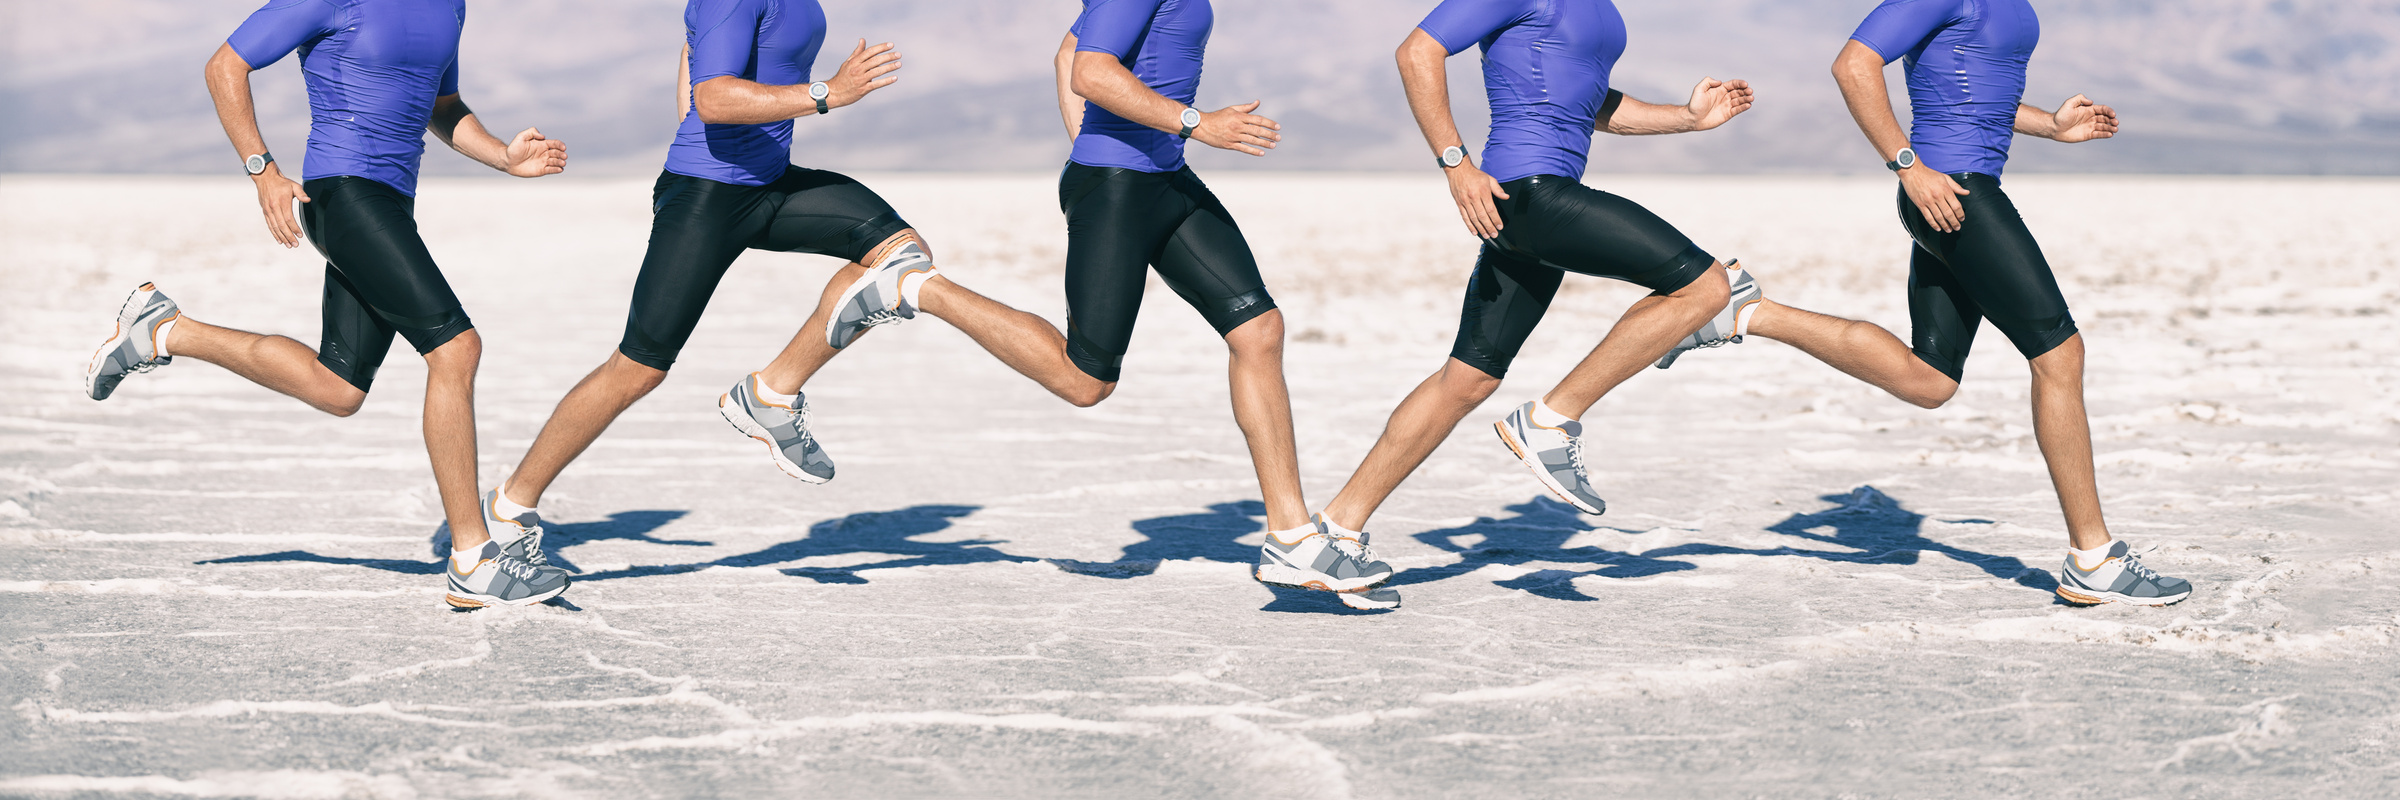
(1296, 578)
(2102, 598)
(1541, 474)
(470, 601)
(742, 422)
(1376, 599)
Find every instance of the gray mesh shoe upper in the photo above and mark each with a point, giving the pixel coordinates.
(875, 299)
(522, 533)
(783, 428)
(1725, 327)
(1556, 456)
(1345, 561)
(499, 577)
(2121, 575)
(133, 348)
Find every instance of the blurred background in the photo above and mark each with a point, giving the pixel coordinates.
(2203, 86)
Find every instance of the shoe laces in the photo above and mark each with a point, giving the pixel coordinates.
(1353, 548)
(2133, 563)
(1734, 339)
(518, 567)
(883, 316)
(533, 547)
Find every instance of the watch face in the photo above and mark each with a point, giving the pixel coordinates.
(1452, 155)
(1908, 158)
(819, 90)
(255, 164)
(1191, 117)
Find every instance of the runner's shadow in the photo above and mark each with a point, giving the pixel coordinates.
(1870, 525)
(1212, 536)
(884, 533)
(634, 525)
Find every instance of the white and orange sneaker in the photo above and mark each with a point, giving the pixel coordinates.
(134, 347)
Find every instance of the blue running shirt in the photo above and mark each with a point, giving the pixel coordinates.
(373, 69)
(1966, 73)
(1545, 71)
(1161, 43)
(773, 42)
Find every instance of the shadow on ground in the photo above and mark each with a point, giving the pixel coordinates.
(634, 525)
(881, 533)
(1870, 527)
(1182, 537)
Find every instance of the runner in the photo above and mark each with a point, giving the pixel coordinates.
(379, 74)
(1546, 67)
(1128, 71)
(1973, 258)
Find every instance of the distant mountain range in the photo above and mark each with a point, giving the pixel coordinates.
(2203, 86)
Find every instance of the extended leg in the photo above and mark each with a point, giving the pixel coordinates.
(1418, 426)
(1026, 343)
(1262, 406)
(275, 362)
(1862, 350)
(1647, 330)
(581, 416)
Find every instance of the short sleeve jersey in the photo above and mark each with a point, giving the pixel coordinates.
(373, 69)
(1545, 72)
(1161, 42)
(773, 42)
(1966, 74)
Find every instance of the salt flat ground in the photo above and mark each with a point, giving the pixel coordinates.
(1802, 587)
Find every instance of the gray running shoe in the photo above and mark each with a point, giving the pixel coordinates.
(2120, 578)
(1321, 562)
(1380, 598)
(875, 298)
(519, 536)
(134, 347)
(1554, 454)
(502, 579)
(1729, 325)
(783, 428)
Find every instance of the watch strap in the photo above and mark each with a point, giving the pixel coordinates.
(1191, 121)
(263, 157)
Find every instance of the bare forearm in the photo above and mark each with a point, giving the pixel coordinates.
(1859, 71)
(683, 84)
(229, 87)
(1100, 78)
(1070, 104)
(1424, 75)
(2036, 122)
(727, 100)
(457, 127)
(1622, 115)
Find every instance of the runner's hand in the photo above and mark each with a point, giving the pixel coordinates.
(1474, 191)
(866, 70)
(1235, 128)
(1714, 102)
(2081, 120)
(533, 155)
(275, 195)
(1936, 196)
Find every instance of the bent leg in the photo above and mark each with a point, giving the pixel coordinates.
(1026, 343)
(275, 362)
(2065, 435)
(450, 434)
(1418, 426)
(1862, 350)
(580, 418)
(1647, 331)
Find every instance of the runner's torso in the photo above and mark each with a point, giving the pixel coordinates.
(773, 42)
(373, 69)
(1161, 42)
(1545, 70)
(1966, 74)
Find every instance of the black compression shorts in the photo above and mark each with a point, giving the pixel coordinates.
(1989, 269)
(1120, 221)
(1552, 225)
(699, 226)
(379, 279)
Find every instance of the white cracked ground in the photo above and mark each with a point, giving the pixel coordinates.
(1802, 587)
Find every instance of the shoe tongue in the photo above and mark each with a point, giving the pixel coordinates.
(2117, 549)
(1573, 428)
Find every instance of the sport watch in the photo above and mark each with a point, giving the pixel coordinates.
(257, 164)
(1451, 156)
(1191, 120)
(1905, 159)
(819, 91)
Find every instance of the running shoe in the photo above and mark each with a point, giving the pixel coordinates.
(502, 579)
(519, 536)
(1380, 598)
(875, 298)
(2120, 578)
(1319, 561)
(1731, 324)
(783, 428)
(1554, 454)
(134, 347)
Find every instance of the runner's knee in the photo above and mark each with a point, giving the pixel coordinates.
(625, 373)
(1260, 337)
(463, 351)
(1089, 394)
(1464, 383)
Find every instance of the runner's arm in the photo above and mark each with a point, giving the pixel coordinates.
(683, 85)
(1713, 103)
(1070, 104)
(2077, 120)
(1859, 71)
(529, 155)
(229, 86)
(731, 100)
(1425, 76)
(1102, 79)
